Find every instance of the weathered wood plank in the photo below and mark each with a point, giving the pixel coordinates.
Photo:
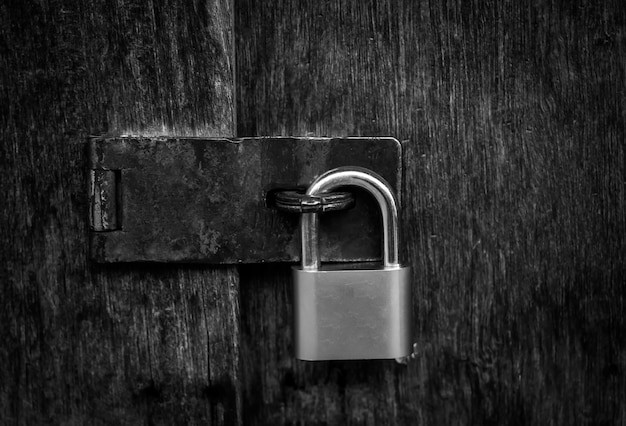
(89, 345)
(513, 116)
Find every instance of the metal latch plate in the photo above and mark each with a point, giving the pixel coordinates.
(204, 200)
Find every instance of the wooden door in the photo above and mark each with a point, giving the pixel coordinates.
(512, 116)
(84, 344)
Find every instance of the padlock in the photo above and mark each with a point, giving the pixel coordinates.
(352, 310)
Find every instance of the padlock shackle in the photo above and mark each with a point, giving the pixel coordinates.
(375, 185)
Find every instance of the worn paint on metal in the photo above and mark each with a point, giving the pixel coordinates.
(204, 200)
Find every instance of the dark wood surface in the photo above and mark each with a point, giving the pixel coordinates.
(513, 116)
(87, 345)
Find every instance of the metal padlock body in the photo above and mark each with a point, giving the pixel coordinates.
(343, 313)
(351, 310)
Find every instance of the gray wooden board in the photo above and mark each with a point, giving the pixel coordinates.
(512, 116)
(82, 344)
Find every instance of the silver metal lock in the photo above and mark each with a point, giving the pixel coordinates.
(352, 311)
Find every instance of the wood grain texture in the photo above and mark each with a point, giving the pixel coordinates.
(513, 119)
(81, 344)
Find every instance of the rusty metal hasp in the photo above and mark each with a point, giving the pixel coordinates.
(205, 200)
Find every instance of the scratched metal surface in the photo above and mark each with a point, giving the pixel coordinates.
(352, 314)
(204, 200)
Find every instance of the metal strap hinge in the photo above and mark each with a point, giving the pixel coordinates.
(162, 199)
